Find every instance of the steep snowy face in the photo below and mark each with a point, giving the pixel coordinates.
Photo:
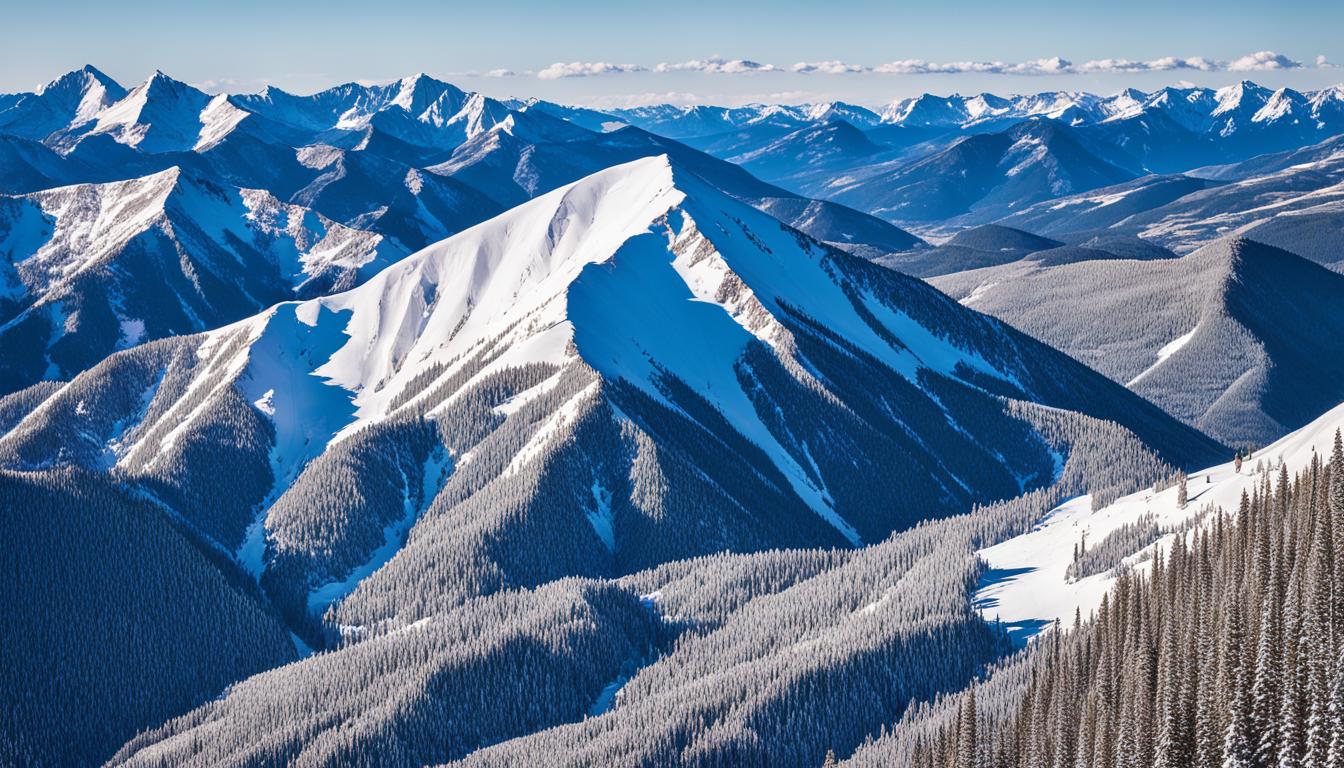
(1237, 106)
(504, 280)
(927, 110)
(839, 110)
(1327, 105)
(57, 235)
(82, 94)
(1284, 104)
(159, 115)
(636, 270)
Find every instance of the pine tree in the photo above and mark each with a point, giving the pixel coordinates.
(967, 734)
(1335, 758)
(1266, 693)
(1238, 751)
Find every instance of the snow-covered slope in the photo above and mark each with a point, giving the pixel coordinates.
(630, 369)
(160, 115)
(1235, 338)
(1027, 585)
(91, 268)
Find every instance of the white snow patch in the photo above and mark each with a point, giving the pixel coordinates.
(600, 516)
(132, 332)
(1167, 350)
(266, 403)
(979, 293)
(565, 415)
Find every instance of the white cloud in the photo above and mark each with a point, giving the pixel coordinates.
(1054, 65)
(644, 100)
(1261, 61)
(501, 73)
(1164, 64)
(562, 69)
(1051, 66)
(224, 85)
(829, 67)
(717, 65)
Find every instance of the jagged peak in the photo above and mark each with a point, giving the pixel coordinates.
(83, 78)
(1234, 96)
(160, 85)
(416, 92)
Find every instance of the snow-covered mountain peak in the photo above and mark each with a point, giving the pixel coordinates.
(78, 78)
(160, 114)
(419, 92)
(475, 286)
(986, 105)
(90, 224)
(638, 272)
(83, 92)
(1244, 95)
(927, 110)
(72, 99)
(1283, 103)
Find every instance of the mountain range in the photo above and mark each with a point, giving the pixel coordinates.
(167, 211)
(640, 308)
(401, 425)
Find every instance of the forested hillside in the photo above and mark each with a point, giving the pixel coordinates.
(1226, 651)
(114, 618)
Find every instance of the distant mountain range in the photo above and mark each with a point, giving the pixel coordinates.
(907, 162)
(162, 210)
(1292, 199)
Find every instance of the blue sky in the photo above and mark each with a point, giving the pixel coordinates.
(304, 46)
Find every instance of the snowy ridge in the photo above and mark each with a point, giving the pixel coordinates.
(550, 281)
(72, 99)
(62, 232)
